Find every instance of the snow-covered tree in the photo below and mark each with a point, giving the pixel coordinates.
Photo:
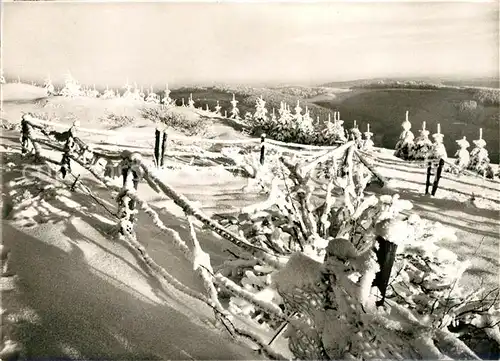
(191, 101)
(152, 97)
(355, 134)
(307, 119)
(166, 100)
(368, 142)
(285, 116)
(462, 154)
(108, 93)
(405, 144)
(71, 87)
(274, 120)
(218, 109)
(142, 94)
(423, 145)
(438, 148)
(333, 131)
(93, 92)
(48, 86)
(128, 91)
(479, 158)
(235, 112)
(248, 117)
(260, 115)
(298, 113)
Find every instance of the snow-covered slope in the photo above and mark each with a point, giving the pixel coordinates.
(70, 290)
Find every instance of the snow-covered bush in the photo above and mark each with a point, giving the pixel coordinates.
(116, 121)
(175, 120)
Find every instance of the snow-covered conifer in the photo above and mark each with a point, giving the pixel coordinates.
(152, 96)
(235, 112)
(218, 109)
(333, 131)
(48, 86)
(462, 154)
(71, 87)
(423, 145)
(438, 148)
(479, 157)
(248, 117)
(355, 134)
(191, 101)
(405, 144)
(368, 142)
(166, 100)
(260, 115)
(108, 93)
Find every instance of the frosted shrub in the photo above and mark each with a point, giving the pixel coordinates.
(175, 120)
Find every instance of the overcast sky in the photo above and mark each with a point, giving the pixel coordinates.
(252, 43)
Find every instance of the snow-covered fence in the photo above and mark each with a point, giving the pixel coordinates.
(334, 318)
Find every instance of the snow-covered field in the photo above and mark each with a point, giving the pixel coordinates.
(70, 291)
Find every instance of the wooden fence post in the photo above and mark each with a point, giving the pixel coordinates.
(163, 148)
(25, 130)
(157, 147)
(26, 137)
(438, 176)
(66, 160)
(428, 181)
(130, 166)
(262, 148)
(386, 254)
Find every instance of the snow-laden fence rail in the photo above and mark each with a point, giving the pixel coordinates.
(322, 277)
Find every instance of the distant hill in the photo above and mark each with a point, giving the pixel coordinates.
(488, 82)
(456, 110)
(460, 111)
